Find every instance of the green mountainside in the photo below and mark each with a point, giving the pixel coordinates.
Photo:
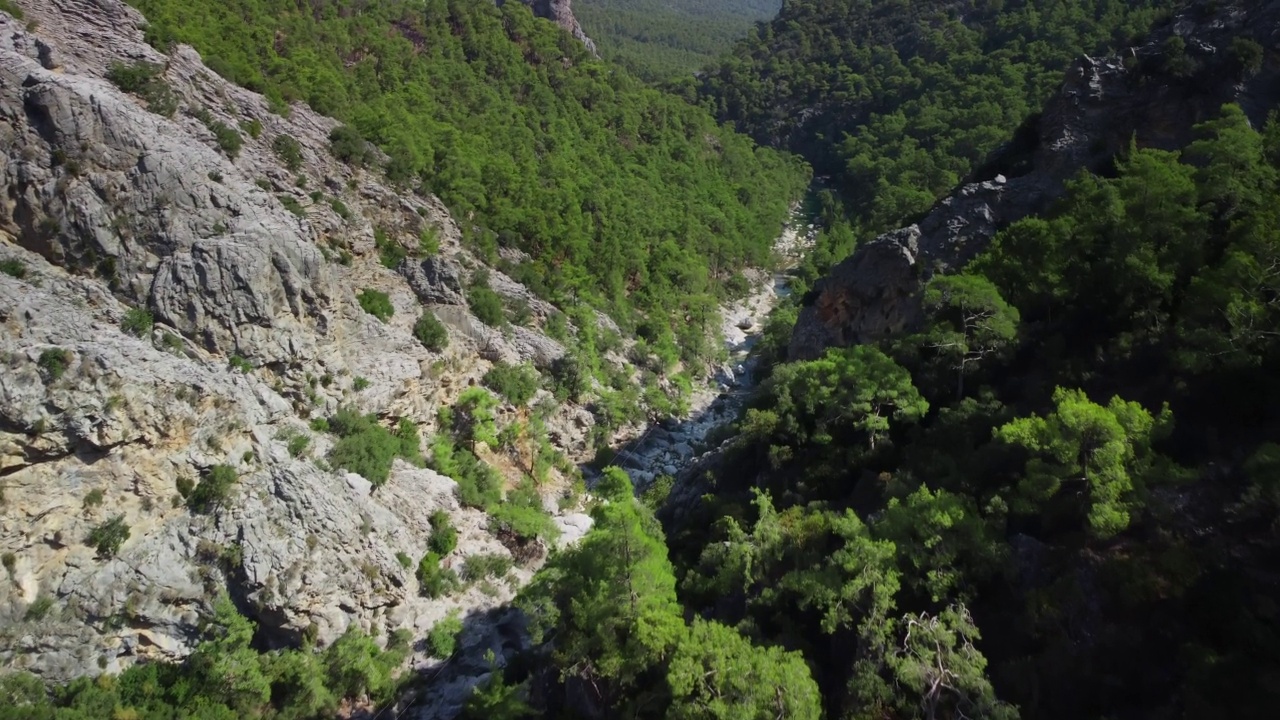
(661, 39)
(898, 101)
(623, 197)
(1053, 494)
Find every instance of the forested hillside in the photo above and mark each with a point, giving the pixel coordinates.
(622, 196)
(898, 101)
(661, 39)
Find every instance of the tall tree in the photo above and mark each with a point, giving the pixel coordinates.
(1105, 452)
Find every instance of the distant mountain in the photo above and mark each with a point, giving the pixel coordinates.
(660, 39)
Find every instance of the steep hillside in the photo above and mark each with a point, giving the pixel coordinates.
(1024, 460)
(619, 196)
(899, 101)
(663, 39)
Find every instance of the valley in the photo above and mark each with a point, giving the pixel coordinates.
(679, 360)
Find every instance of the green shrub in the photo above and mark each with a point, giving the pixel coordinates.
(144, 80)
(288, 150)
(360, 383)
(444, 536)
(54, 362)
(435, 581)
(109, 536)
(516, 383)
(486, 305)
(227, 137)
(442, 640)
(348, 146)
(137, 322)
(13, 268)
(485, 566)
(479, 486)
(429, 242)
(377, 304)
(291, 204)
(298, 445)
(340, 208)
(390, 252)
(320, 424)
(238, 363)
(522, 516)
(39, 609)
(184, 485)
(14, 10)
(252, 127)
(368, 449)
(213, 490)
(404, 560)
(431, 332)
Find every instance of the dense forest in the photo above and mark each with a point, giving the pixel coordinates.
(1055, 497)
(898, 101)
(661, 39)
(624, 198)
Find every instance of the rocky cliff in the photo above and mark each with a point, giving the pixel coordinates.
(561, 13)
(249, 261)
(1153, 94)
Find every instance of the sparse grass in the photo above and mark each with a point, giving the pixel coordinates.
(54, 362)
(340, 208)
(10, 562)
(298, 445)
(405, 561)
(108, 536)
(360, 384)
(252, 128)
(291, 204)
(173, 343)
(39, 609)
(93, 498)
(137, 322)
(13, 268)
(390, 251)
(9, 7)
(228, 138)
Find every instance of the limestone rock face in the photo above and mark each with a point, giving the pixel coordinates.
(1102, 104)
(250, 270)
(561, 12)
(436, 281)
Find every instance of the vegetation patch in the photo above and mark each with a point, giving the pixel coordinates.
(107, 537)
(431, 332)
(368, 449)
(147, 82)
(54, 362)
(213, 491)
(376, 303)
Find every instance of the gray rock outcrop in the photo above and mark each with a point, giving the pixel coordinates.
(109, 209)
(561, 13)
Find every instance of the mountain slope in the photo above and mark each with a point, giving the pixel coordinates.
(621, 196)
(899, 101)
